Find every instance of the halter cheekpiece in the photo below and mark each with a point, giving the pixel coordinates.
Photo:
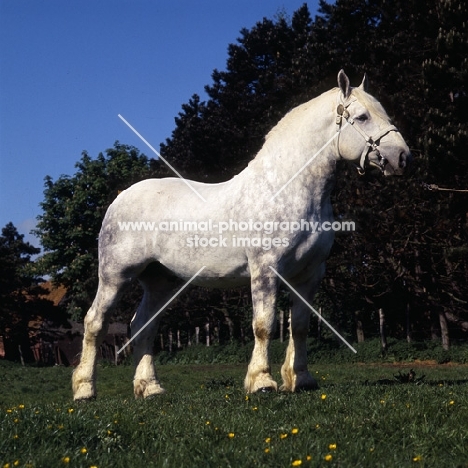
(372, 142)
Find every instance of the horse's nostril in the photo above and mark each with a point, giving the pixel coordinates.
(403, 160)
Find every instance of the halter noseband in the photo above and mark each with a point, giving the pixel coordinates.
(372, 142)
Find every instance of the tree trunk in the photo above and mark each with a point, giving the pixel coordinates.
(383, 337)
(444, 331)
(216, 334)
(21, 355)
(179, 344)
(197, 335)
(170, 341)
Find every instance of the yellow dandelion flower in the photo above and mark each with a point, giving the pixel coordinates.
(328, 457)
(294, 430)
(451, 402)
(226, 396)
(16, 463)
(109, 432)
(20, 407)
(246, 397)
(417, 458)
(93, 466)
(296, 463)
(283, 436)
(60, 426)
(84, 450)
(207, 423)
(66, 459)
(382, 402)
(9, 410)
(6, 465)
(268, 440)
(15, 420)
(323, 397)
(309, 457)
(116, 422)
(332, 447)
(371, 449)
(70, 410)
(267, 450)
(16, 436)
(254, 408)
(231, 435)
(317, 426)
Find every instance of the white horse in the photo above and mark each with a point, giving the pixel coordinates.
(253, 234)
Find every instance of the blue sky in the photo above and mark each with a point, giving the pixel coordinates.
(68, 68)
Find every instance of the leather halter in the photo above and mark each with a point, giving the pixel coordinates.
(372, 142)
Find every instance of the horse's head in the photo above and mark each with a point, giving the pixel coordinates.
(367, 135)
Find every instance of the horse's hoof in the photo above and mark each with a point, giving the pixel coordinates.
(84, 400)
(266, 390)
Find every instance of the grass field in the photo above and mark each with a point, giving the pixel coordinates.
(360, 417)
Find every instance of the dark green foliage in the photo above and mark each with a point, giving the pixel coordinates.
(20, 294)
(408, 255)
(409, 250)
(73, 210)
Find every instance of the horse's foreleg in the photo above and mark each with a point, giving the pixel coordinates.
(95, 329)
(294, 371)
(264, 291)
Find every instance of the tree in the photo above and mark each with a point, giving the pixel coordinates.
(410, 248)
(19, 293)
(73, 210)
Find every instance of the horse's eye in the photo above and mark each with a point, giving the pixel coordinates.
(361, 118)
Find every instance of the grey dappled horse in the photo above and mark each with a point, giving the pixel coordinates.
(289, 180)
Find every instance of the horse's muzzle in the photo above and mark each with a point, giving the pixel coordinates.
(396, 165)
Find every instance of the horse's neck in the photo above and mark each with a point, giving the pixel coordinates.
(294, 149)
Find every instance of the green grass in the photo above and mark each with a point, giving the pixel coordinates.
(360, 416)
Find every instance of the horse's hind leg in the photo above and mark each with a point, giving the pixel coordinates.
(96, 324)
(157, 291)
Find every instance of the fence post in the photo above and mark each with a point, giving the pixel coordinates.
(207, 329)
(383, 338)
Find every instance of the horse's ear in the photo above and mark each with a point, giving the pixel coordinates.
(365, 83)
(343, 83)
